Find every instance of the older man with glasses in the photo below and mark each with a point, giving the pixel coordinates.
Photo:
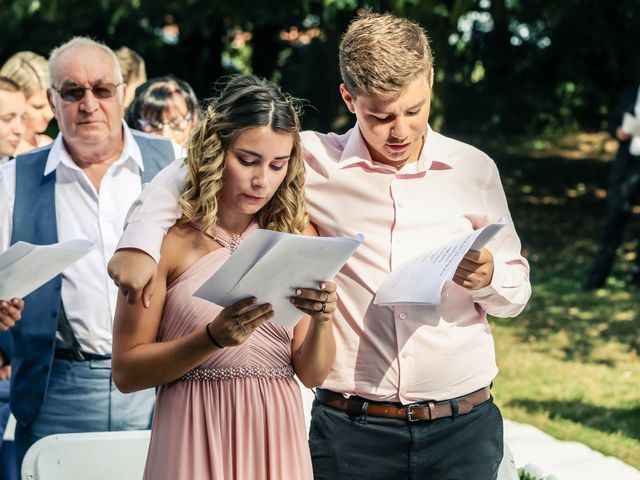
(81, 186)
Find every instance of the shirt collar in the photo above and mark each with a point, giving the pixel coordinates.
(356, 152)
(59, 153)
(432, 156)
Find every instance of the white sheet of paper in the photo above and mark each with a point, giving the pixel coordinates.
(25, 267)
(630, 125)
(420, 280)
(269, 265)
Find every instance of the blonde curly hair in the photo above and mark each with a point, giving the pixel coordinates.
(246, 102)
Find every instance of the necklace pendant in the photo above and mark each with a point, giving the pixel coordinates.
(234, 243)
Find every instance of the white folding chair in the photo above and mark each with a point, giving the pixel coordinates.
(94, 455)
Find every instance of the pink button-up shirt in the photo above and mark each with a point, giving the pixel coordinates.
(406, 353)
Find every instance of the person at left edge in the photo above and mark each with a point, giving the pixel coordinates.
(80, 186)
(13, 107)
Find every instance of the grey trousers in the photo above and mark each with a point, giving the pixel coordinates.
(82, 397)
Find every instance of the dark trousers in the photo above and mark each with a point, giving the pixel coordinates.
(621, 200)
(353, 447)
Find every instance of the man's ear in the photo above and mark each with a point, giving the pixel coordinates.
(348, 99)
(431, 77)
(125, 87)
(50, 99)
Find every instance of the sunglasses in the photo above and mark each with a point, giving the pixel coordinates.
(178, 124)
(75, 93)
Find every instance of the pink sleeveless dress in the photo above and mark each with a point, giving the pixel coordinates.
(238, 416)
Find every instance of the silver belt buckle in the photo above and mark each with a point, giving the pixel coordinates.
(410, 414)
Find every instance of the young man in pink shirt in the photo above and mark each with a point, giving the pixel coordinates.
(408, 395)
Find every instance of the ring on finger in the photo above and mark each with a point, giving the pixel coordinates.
(323, 307)
(240, 325)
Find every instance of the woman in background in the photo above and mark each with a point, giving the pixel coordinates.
(164, 106)
(31, 72)
(134, 71)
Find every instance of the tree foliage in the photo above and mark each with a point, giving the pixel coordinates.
(501, 65)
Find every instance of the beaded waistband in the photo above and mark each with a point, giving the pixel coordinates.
(230, 373)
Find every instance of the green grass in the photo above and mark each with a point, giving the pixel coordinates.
(569, 363)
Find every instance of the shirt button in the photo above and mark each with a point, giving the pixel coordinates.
(400, 205)
(405, 354)
(402, 316)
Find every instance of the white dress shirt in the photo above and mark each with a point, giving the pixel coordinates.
(88, 294)
(634, 146)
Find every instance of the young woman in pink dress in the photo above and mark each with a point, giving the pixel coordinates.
(228, 406)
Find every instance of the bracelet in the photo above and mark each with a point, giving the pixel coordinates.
(213, 340)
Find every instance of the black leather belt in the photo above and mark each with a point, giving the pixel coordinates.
(78, 356)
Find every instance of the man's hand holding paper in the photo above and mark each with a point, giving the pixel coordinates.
(463, 260)
(475, 271)
(318, 304)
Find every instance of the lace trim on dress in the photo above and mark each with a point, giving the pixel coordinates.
(230, 373)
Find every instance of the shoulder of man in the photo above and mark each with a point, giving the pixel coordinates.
(33, 161)
(31, 165)
(148, 136)
(147, 139)
(331, 140)
(35, 154)
(323, 148)
(458, 153)
(157, 152)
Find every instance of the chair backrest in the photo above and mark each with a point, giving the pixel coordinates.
(79, 456)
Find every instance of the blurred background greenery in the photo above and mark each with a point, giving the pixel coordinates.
(505, 66)
(530, 81)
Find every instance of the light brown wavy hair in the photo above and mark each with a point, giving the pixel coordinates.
(245, 102)
(380, 54)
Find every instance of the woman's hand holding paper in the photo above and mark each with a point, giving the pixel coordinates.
(235, 324)
(318, 304)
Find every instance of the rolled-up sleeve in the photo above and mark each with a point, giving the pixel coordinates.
(155, 211)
